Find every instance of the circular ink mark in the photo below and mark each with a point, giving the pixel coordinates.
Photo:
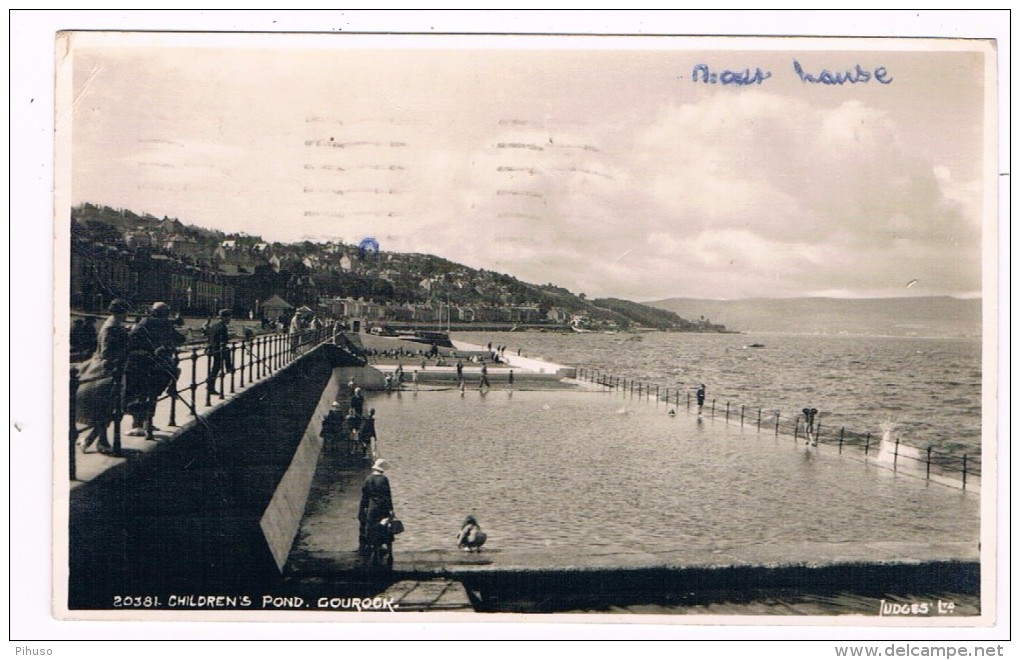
(368, 247)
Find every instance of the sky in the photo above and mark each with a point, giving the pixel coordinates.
(602, 165)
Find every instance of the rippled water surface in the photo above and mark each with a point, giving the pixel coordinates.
(928, 390)
(597, 474)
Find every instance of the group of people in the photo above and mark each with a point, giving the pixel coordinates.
(352, 430)
(131, 366)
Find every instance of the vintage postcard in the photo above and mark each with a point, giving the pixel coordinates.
(363, 327)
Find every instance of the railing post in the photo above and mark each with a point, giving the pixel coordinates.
(727, 411)
(223, 371)
(713, 408)
(741, 416)
(194, 381)
(927, 470)
(233, 355)
(172, 391)
(209, 384)
(796, 428)
(841, 430)
(72, 428)
(867, 444)
(759, 420)
(896, 453)
(965, 471)
(118, 410)
(245, 352)
(777, 423)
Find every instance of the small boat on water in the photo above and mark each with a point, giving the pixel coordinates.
(754, 346)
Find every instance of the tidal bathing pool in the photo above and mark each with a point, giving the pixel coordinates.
(577, 478)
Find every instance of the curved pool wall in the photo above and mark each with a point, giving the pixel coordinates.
(214, 509)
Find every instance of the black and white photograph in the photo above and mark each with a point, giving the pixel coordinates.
(452, 327)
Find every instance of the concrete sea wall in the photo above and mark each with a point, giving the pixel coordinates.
(214, 509)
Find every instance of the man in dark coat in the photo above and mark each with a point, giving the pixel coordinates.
(376, 505)
(151, 366)
(219, 351)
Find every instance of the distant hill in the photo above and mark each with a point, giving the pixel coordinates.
(306, 271)
(933, 316)
(654, 317)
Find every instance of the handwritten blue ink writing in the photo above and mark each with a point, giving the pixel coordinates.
(728, 77)
(853, 77)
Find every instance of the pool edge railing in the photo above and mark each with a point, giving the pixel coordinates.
(888, 451)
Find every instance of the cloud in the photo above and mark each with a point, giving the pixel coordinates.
(641, 194)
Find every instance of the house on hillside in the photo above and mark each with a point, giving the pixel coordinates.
(137, 239)
(182, 245)
(558, 315)
(275, 307)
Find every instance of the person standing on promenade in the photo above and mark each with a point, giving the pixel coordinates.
(83, 339)
(98, 392)
(220, 359)
(332, 426)
(484, 382)
(367, 434)
(151, 366)
(352, 430)
(510, 380)
(414, 379)
(357, 402)
(376, 505)
(296, 329)
(701, 397)
(460, 371)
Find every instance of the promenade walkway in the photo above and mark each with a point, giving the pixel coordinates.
(255, 360)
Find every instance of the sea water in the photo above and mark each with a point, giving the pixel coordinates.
(924, 391)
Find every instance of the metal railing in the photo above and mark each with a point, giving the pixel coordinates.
(243, 362)
(884, 449)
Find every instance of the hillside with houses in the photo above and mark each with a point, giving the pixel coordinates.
(144, 258)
